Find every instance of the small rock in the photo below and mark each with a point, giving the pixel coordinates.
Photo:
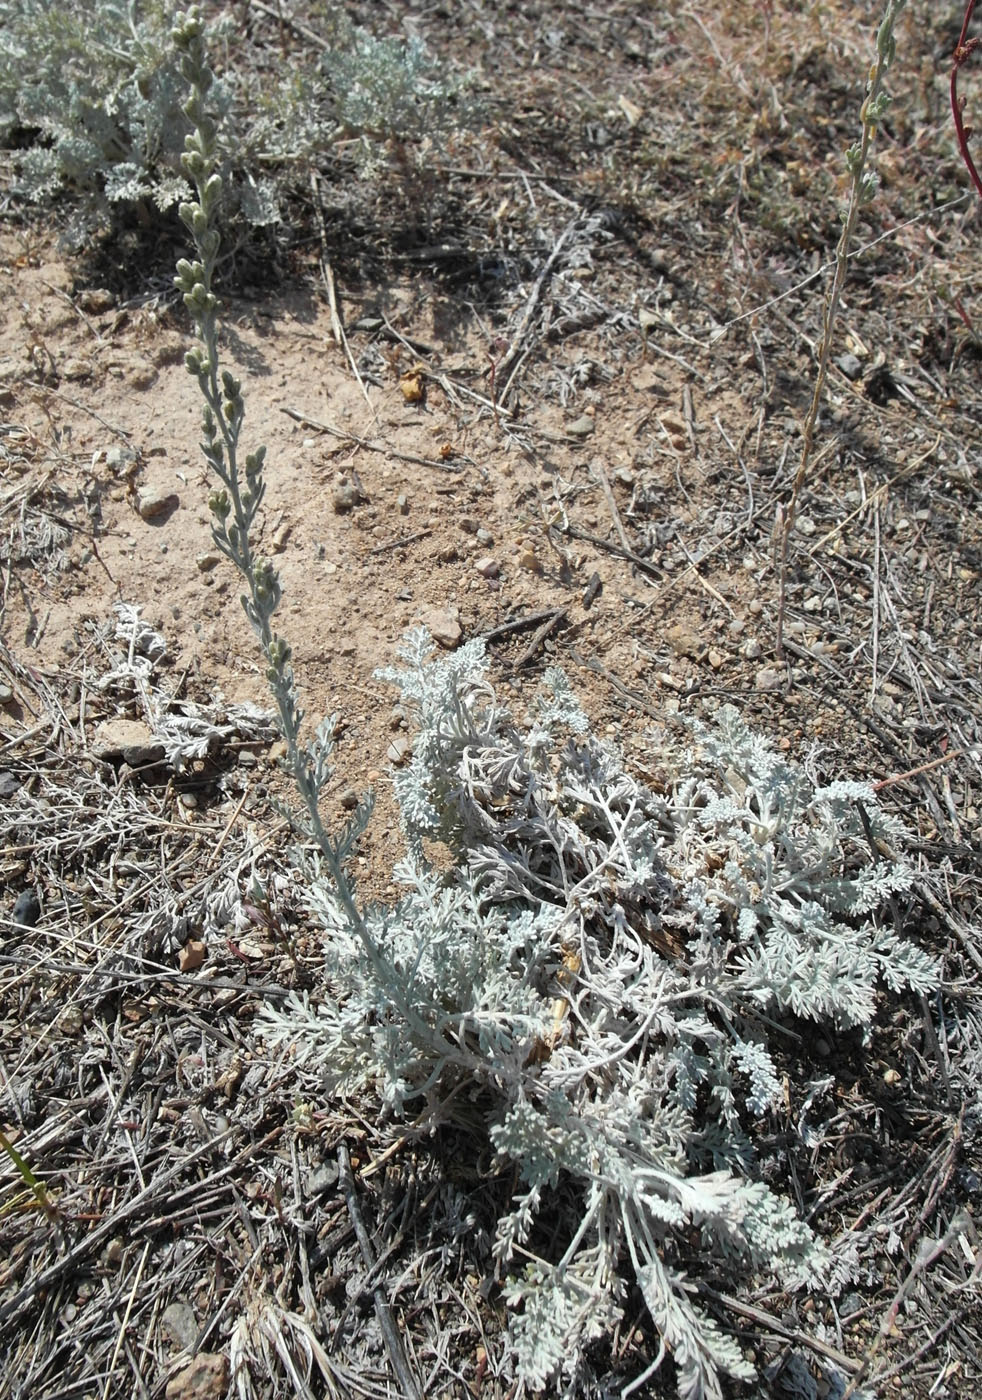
(804, 526)
(443, 625)
(344, 497)
(751, 649)
(716, 658)
(6, 693)
(125, 741)
(469, 526)
(206, 562)
(27, 909)
(529, 560)
(484, 537)
(95, 300)
(322, 1178)
(402, 504)
(151, 503)
(189, 959)
(851, 367)
(768, 678)
(205, 1379)
(76, 367)
(281, 536)
(70, 1022)
(684, 642)
(349, 799)
(278, 751)
(122, 461)
(487, 567)
(179, 1322)
(581, 427)
(398, 750)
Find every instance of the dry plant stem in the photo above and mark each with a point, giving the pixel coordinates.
(383, 1309)
(861, 191)
(963, 50)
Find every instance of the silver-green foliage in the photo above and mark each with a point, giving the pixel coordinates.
(583, 977)
(97, 91)
(595, 963)
(100, 87)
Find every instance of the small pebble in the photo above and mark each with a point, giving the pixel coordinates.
(344, 497)
(27, 909)
(581, 427)
(95, 300)
(151, 504)
(487, 567)
(767, 678)
(191, 956)
(398, 750)
(76, 367)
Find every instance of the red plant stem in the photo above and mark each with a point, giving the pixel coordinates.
(964, 48)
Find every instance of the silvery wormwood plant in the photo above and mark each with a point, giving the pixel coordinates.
(92, 96)
(596, 969)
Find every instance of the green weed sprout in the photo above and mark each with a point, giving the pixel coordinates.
(862, 189)
(32, 1182)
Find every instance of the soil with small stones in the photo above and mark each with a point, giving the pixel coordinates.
(572, 386)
